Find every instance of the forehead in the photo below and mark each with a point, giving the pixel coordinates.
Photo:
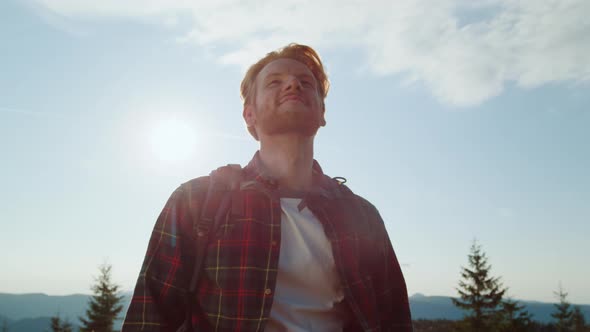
(284, 66)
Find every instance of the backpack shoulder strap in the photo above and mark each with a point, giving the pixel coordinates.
(224, 183)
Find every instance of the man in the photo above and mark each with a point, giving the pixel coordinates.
(293, 250)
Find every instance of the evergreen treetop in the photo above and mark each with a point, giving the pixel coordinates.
(480, 293)
(104, 305)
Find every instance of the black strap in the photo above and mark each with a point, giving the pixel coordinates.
(222, 194)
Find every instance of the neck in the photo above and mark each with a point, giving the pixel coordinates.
(288, 159)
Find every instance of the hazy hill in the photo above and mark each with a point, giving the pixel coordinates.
(441, 307)
(32, 312)
(19, 306)
(433, 307)
(39, 324)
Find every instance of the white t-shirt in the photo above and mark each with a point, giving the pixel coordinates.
(308, 295)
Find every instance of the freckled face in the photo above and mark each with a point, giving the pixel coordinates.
(286, 100)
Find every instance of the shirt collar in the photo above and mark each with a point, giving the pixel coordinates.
(322, 184)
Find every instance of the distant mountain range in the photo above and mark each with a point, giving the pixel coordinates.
(32, 312)
(441, 307)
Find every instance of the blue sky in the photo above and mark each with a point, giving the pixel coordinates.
(458, 121)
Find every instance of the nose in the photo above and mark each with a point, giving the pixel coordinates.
(293, 83)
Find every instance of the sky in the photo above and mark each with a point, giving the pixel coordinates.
(458, 120)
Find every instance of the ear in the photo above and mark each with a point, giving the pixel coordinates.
(249, 114)
(323, 119)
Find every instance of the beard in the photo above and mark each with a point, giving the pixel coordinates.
(290, 119)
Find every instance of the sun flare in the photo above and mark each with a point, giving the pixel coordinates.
(172, 140)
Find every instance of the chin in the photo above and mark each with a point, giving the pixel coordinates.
(291, 120)
(305, 131)
(294, 107)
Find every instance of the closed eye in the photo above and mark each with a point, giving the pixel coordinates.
(273, 82)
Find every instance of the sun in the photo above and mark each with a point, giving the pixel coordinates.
(172, 140)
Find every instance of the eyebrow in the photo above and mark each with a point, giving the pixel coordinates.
(279, 74)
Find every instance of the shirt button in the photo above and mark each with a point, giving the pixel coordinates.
(267, 291)
(273, 243)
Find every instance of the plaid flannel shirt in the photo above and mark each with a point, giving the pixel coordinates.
(238, 276)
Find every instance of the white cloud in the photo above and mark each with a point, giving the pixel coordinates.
(464, 51)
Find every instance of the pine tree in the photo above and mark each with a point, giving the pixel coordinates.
(480, 293)
(105, 304)
(578, 320)
(57, 325)
(563, 313)
(514, 318)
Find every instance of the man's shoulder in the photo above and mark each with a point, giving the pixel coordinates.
(337, 184)
(223, 174)
(198, 181)
(366, 205)
(362, 202)
(196, 185)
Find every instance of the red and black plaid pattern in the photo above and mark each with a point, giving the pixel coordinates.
(235, 291)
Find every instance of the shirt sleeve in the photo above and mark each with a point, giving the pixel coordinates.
(390, 285)
(159, 298)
